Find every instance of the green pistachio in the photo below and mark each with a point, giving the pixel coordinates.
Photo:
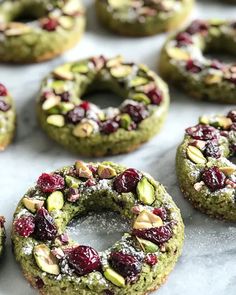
(195, 155)
(56, 120)
(145, 191)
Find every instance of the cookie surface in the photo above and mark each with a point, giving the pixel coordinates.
(2, 234)
(142, 18)
(206, 173)
(183, 61)
(136, 264)
(87, 129)
(55, 27)
(7, 118)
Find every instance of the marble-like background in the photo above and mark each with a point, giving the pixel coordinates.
(208, 264)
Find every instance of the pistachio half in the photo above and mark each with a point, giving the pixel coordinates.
(145, 191)
(106, 172)
(45, 260)
(83, 170)
(195, 155)
(146, 220)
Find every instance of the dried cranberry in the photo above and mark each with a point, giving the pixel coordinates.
(214, 178)
(193, 66)
(109, 126)
(45, 228)
(137, 112)
(155, 96)
(65, 96)
(157, 235)
(3, 90)
(83, 259)
(161, 212)
(151, 259)
(39, 283)
(25, 226)
(202, 132)
(212, 150)
(125, 264)
(49, 183)
(184, 38)
(85, 105)
(127, 181)
(197, 26)
(232, 115)
(50, 24)
(76, 115)
(4, 107)
(109, 292)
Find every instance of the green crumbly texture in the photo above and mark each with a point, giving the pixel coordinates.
(98, 199)
(7, 124)
(122, 17)
(2, 239)
(28, 42)
(82, 77)
(221, 203)
(208, 84)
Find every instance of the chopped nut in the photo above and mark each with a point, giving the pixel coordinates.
(146, 220)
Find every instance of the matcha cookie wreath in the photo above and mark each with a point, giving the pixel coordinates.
(7, 118)
(87, 129)
(38, 30)
(2, 235)
(142, 17)
(206, 172)
(136, 264)
(183, 62)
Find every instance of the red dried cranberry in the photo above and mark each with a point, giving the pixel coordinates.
(76, 115)
(127, 181)
(3, 90)
(212, 150)
(39, 283)
(4, 107)
(45, 228)
(49, 183)
(197, 26)
(161, 212)
(232, 115)
(83, 259)
(50, 24)
(25, 226)
(214, 178)
(155, 96)
(157, 235)
(202, 132)
(85, 105)
(65, 96)
(125, 264)
(109, 126)
(193, 66)
(137, 112)
(151, 259)
(184, 38)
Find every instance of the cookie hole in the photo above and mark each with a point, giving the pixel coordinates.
(98, 229)
(104, 99)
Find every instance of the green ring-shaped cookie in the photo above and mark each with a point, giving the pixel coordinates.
(57, 27)
(133, 18)
(7, 118)
(95, 189)
(63, 89)
(206, 174)
(182, 60)
(2, 234)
